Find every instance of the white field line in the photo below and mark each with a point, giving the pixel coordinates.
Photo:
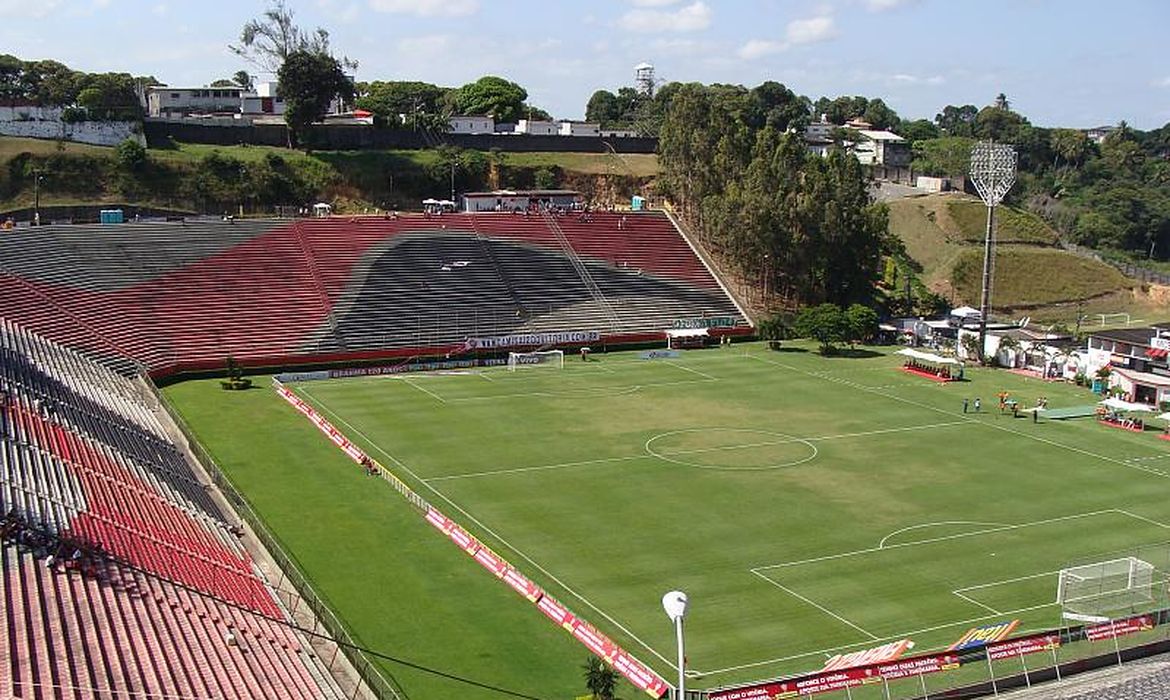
(976, 603)
(920, 526)
(484, 528)
(992, 584)
(605, 460)
(583, 392)
(1144, 518)
(1146, 459)
(1030, 436)
(692, 370)
(425, 390)
(816, 605)
(930, 540)
(866, 643)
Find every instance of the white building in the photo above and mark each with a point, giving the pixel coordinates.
(163, 101)
(1098, 134)
(262, 101)
(472, 124)
(571, 128)
(536, 127)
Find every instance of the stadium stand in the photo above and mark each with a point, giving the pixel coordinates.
(181, 296)
(121, 578)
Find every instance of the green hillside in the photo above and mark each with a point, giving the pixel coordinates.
(944, 235)
(256, 178)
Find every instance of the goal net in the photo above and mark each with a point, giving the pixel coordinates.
(542, 358)
(1095, 590)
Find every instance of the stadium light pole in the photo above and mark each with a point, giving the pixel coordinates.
(675, 605)
(993, 172)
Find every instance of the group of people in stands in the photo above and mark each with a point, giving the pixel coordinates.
(54, 549)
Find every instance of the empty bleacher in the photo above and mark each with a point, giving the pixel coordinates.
(121, 578)
(166, 296)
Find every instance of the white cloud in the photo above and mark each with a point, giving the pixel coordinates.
(16, 9)
(1164, 82)
(688, 18)
(811, 30)
(886, 5)
(654, 3)
(799, 31)
(757, 48)
(427, 8)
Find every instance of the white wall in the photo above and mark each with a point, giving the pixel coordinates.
(45, 123)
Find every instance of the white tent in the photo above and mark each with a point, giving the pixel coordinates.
(1118, 404)
(928, 357)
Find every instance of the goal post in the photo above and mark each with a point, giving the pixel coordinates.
(539, 358)
(1104, 587)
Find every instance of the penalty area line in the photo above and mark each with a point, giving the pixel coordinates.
(816, 605)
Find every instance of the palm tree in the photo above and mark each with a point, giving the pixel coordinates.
(601, 680)
(1001, 102)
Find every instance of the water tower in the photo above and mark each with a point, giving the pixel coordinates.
(644, 78)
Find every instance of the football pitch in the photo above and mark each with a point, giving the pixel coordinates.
(807, 505)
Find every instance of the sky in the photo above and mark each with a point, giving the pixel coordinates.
(1060, 62)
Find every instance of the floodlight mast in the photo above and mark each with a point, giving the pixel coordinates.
(993, 172)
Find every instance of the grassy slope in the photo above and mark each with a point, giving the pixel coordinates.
(944, 233)
(402, 590)
(362, 169)
(621, 531)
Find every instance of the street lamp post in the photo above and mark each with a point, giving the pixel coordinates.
(675, 605)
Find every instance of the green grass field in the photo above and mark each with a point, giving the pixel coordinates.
(807, 505)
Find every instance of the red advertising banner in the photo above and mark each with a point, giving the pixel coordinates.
(491, 561)
(594, 641)
(642, 677)
(1119, 628)
(522, 585)
(825, 682)
(556, 612)
(1022, 646)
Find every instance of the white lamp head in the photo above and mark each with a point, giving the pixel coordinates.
(675, 605)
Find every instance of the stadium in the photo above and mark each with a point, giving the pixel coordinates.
(420, 388)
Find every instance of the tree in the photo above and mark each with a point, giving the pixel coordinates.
(825, 323)
(269, 40)
(309, 81)
(918, 130)
(957, 121)
(862, 322)
(243, 79)
(949, 156)
(131, 155)
(1001, 102)
(423, 104)
(1068, 145)
(600, 679)
(223, 82)
(503, 100)
(603, 107)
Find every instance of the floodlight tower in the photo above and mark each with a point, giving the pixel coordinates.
(993, 170)
(644, 79)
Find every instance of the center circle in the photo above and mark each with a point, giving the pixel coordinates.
(731, 449)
